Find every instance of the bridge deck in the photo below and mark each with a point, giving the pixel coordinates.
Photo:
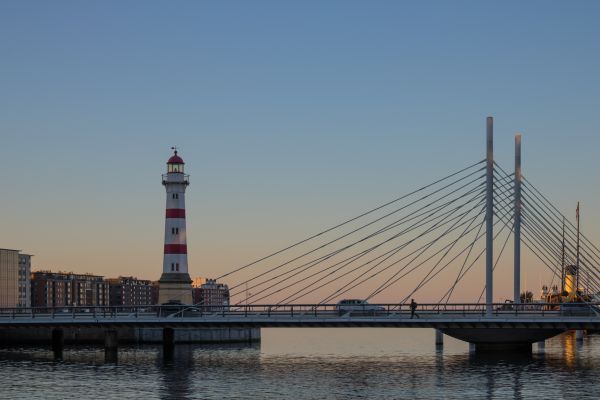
(547, 320)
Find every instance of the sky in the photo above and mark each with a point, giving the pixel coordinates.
(291, 117)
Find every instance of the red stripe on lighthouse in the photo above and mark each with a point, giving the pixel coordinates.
(175, 212)
(175, 249)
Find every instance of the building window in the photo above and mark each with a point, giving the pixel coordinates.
(177, 267)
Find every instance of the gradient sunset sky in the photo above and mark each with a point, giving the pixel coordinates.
(290, 116)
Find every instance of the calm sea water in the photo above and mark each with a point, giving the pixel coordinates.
(307, 364)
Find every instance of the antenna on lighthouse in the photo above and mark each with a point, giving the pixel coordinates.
(174, 148)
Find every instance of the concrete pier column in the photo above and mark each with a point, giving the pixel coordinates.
(111, 343)
(439, 338)
(168, 337)
(58, 342)
(110, 340)
(168, 343)
(579, 335)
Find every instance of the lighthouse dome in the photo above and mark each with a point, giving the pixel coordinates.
(175, 159)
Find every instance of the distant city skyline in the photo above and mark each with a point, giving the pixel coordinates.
(291, 117)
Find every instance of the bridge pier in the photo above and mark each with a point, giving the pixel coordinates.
(579, 335)
(111, 339)
(501, 339)
(111, 343)
(439, 338)
(58, 343)
(168, 342)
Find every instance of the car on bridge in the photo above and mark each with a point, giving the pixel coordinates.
(175, 308)
(357, 307)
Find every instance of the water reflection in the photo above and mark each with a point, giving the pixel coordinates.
(294, 365)
(569, 344)
(176, 365)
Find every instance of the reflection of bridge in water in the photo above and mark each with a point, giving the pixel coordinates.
(440, 232)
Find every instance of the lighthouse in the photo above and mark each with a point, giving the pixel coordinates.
(175, 283)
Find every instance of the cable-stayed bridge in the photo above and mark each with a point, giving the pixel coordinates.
(449, 234)
(444, 233)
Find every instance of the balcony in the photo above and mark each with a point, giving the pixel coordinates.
(176, 177)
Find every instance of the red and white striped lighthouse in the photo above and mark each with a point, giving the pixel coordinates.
(175, 283)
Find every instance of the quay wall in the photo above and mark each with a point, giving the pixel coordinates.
(43, 335)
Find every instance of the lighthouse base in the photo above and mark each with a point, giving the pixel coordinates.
(175, 287)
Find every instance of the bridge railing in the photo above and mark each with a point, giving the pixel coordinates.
(302, 310)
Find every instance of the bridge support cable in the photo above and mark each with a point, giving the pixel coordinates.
(502, 208)
(501, 213)
(540, 234)
(542, 245)
(382, 258)
(538, 229)
(428, 278)
(586, 261)
(543, 232)
(499, 256)
(421, 189)
(436, 226)
(468, 186)
(544, 229)
(450, 291)
(530, 244)
(587, 247)
(496, 235)
(462, 269)
(549, 228)
(570, 226)
(421, 250)
(351, 284)
(396, 276)
(428, 216)
(591, 274)
(500, 185)
(505, 203)
(440, 191)
(502, 219)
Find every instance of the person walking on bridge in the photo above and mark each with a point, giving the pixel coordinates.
(413, 308)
